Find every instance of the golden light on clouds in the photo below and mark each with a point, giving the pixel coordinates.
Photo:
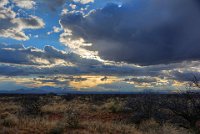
(92, 81)
(178, 84)
(83, 82)
(76, 82)
(157, 83)
(40, 61)
(29, 82)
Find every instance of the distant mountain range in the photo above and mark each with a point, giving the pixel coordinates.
(57, 90)
(40, 90)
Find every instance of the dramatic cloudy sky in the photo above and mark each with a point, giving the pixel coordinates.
(99, 45)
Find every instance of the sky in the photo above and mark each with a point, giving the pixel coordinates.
(99, 45)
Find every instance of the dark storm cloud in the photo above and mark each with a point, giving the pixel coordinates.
(141, 32)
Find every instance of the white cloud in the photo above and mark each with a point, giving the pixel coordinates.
(77, 45)
(12, 26)
(84, 1)
(33, 22)
(3, 3)
(48, 33)
(64, 11)
(55, 30)
(72, 6)
(14, 34)
(7, 13)
(26, 4)
(36, 36)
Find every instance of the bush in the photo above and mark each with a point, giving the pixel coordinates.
(186, 106)
(32, 105)
(9, 120)
(148, 125)
(59, 129)
(114, 106)
(72, 118)
(5, 115)
(143, 107)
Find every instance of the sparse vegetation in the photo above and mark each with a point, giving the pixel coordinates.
(112, 114)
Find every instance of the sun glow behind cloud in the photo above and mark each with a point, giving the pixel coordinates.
(92, 81)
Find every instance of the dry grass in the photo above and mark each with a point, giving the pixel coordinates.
(8, 120)
(10, 107)
(152, 127)
(109, 128)
(54, 108)
(26, 125)
(37, 125)
(78, 117)
(114, 106)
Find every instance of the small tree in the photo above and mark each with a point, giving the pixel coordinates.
(32, 105)
(143, 106)
(187, 105)
(72, 117)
